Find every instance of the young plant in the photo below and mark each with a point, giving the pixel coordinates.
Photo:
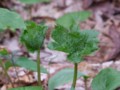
(33, 38)
(11, 20)
(4, 53)
(17, 61)
(107, 79)
(75, 42)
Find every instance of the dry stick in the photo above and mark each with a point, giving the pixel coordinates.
(75, 75)
(38, 68)
(6, 74)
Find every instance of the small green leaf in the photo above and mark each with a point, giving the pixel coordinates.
(62, 77)
(107, 79)
(8, 64)
(33, 1)
(75, 43)
(72, 18)
(3, 52)
(28, 64)
(30, 24)
(11, 20)
(33, 36)
(27, 88)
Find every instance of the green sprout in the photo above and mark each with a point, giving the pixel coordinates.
(33, 38)
(75, 42)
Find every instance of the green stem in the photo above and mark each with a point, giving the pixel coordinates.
(38, 68)
(6, 74)
(75, 75)
(85, 81)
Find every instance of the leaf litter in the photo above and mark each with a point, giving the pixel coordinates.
(104, 20)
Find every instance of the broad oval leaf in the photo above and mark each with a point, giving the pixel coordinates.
(72, 88)
(33, 1)
(11, 20)
(28, 64)
(75, 43)
(33, 36)
(28, 88)
(62, 77)
(72, 18)
(107, 79)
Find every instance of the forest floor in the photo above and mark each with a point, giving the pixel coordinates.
(105, 19)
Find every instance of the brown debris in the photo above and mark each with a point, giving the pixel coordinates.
(114, 35)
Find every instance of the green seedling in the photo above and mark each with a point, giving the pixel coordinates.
(3, 54)
(74, 42)
(33, 38)
(12, 60)
(5, 72)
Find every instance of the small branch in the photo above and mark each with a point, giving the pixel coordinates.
(6, 74)
(38, 68)
(75, 75)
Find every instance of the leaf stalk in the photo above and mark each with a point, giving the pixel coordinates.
(38, 68)
(75, 75)
(6, 74)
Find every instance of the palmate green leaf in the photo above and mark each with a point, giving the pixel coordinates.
(11, 20)
(28, 88)
(33, 36)
(107, 79)
(28, 64)
(62, 77)
(33, 1)
(76, 44)
(72, 18)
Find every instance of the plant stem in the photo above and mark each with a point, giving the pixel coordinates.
(6, 74)
(85, 81)
(75, 75)
(38, 68)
